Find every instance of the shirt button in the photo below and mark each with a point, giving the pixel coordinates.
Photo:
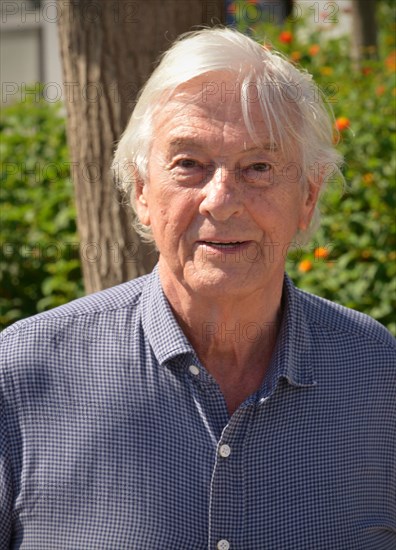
(225, 451)
(223, 544)
(194, 370)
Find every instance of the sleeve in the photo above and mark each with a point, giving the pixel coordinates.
(6, 492)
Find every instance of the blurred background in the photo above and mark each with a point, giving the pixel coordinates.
(70, 72)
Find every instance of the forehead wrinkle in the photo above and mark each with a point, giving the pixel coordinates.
(195, 142)
(185, 142)
(229, 120)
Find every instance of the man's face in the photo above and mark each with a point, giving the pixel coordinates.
(222, 208)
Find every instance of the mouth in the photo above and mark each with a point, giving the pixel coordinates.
(224, 246)
(221, 244)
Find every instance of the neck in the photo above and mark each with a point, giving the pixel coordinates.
(233, 336)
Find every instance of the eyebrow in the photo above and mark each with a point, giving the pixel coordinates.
(191, 142)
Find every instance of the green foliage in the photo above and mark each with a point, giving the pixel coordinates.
(39, 266)
(352, 259)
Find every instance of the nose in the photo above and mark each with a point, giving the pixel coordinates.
(222, 194)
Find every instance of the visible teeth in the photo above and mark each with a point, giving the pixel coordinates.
(223, 244)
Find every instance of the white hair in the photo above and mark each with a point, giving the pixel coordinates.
(300, 122)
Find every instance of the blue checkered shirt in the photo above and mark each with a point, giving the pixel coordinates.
(114, 436)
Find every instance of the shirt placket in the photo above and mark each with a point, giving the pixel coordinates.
(227, 488)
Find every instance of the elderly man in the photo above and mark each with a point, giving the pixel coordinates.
(210, 404)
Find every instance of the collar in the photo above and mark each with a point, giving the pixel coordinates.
(159, 324)
(291, 358)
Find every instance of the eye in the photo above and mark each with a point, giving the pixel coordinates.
(261, 167)
(259, 173)
(188, 171)
(187, 163)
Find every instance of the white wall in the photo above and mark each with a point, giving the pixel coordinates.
(29, 50)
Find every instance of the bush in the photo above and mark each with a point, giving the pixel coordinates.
(39, 265)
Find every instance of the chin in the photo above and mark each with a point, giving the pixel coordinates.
(218, 281)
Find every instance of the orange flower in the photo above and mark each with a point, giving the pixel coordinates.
(304, 266)
(368, 178)
(390, 61)
(321, 253)
(314, 50)
(342, 123)
(326, 71)
(296, 56)
(286, 37)
(366, 71)
(380, 90)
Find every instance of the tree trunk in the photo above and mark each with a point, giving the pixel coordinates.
(108, 49)
(364, 30)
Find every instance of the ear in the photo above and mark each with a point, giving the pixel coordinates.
(141, 200)
(310, 198)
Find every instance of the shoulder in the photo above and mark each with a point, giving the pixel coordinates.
(344, 324)
(81, 318)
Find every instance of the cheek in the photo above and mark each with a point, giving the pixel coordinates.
(179, 205)
(277, 212)
(171, 217)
